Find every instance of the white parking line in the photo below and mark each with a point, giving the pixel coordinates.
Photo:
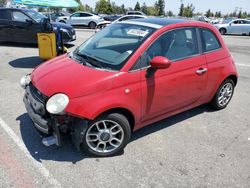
(243, 65)
(44, 171)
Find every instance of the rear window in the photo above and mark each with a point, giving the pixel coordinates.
(5, 15)
(209, 41)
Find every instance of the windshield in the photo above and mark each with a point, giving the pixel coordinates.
(112, 46)
(35, 15)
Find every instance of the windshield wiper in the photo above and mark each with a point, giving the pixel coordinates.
(91, 60)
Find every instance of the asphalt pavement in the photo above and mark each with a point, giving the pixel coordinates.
(197, 148)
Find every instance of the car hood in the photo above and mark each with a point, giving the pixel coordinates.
(62, 25)
(64, 75)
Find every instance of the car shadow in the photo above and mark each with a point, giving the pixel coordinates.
(33, 142)
(165, 123)
(19, 45)
(68, 153)
(26, 62)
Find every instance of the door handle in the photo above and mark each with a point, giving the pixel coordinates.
(201, 71)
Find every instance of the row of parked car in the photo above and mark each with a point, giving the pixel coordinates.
(22, 25)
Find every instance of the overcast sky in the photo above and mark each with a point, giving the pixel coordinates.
(224, 6)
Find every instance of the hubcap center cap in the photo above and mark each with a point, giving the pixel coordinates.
(105, 136)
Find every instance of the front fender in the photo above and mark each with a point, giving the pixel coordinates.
(92, 106)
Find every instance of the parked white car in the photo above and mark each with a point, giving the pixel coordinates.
(237, 26)
(133, 12)
(81, 19)
(105, 23)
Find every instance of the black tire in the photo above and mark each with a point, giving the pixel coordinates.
(223, 31)
(119, 119)
(215, 101)
(92, 25)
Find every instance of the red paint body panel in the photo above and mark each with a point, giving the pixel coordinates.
(168, 92)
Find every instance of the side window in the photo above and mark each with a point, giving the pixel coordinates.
(20, 17)
(209, 40)
(174, 45)
(183, 44)
(85, 15)
(125, 18)
(75, 15)
(5, 15)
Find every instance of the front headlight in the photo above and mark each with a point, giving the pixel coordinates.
(57, 103)
(64, 30)
(25, 81)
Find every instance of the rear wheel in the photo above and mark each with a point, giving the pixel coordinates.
(223, 31)
(92, 25)
(223, 95)
(107, 135)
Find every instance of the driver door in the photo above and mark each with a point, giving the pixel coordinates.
(75, 19)
(169, 90)
(234, 27)
(24, 29)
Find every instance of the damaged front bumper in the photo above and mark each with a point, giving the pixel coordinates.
(53, 126)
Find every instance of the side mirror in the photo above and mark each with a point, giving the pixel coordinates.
(29, 21)
(160, 62)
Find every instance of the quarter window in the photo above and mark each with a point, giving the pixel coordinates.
(209, 40)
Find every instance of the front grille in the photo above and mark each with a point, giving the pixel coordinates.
(37, 100)
(37, 94)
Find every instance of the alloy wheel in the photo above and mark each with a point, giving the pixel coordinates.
(104, 136)
(225, 94)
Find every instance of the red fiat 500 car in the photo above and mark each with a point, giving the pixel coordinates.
(127, 76)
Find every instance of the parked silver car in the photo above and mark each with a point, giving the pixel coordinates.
(237, 26)
(105, 23)
(81, 19)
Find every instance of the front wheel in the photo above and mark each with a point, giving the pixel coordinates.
(107, 135)
(92, 25)
(223, 31)
(223, 95)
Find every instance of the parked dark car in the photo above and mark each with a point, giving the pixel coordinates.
(22, 25)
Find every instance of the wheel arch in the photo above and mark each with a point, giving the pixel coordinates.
(124, 111)
(234, 78)
(223, 28)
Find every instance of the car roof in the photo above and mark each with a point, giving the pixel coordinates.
(156, 22)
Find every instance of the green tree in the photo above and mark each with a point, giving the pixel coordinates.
(144, 8)
(88, 8)
(208, 13)
(181, 10)
(123, 10)
(137, 6)
(151, 10)
(103, 7)
(169, 13)
(188, 11)
(3, 3)
(79, 8)
(240, 14)
(160, 7)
